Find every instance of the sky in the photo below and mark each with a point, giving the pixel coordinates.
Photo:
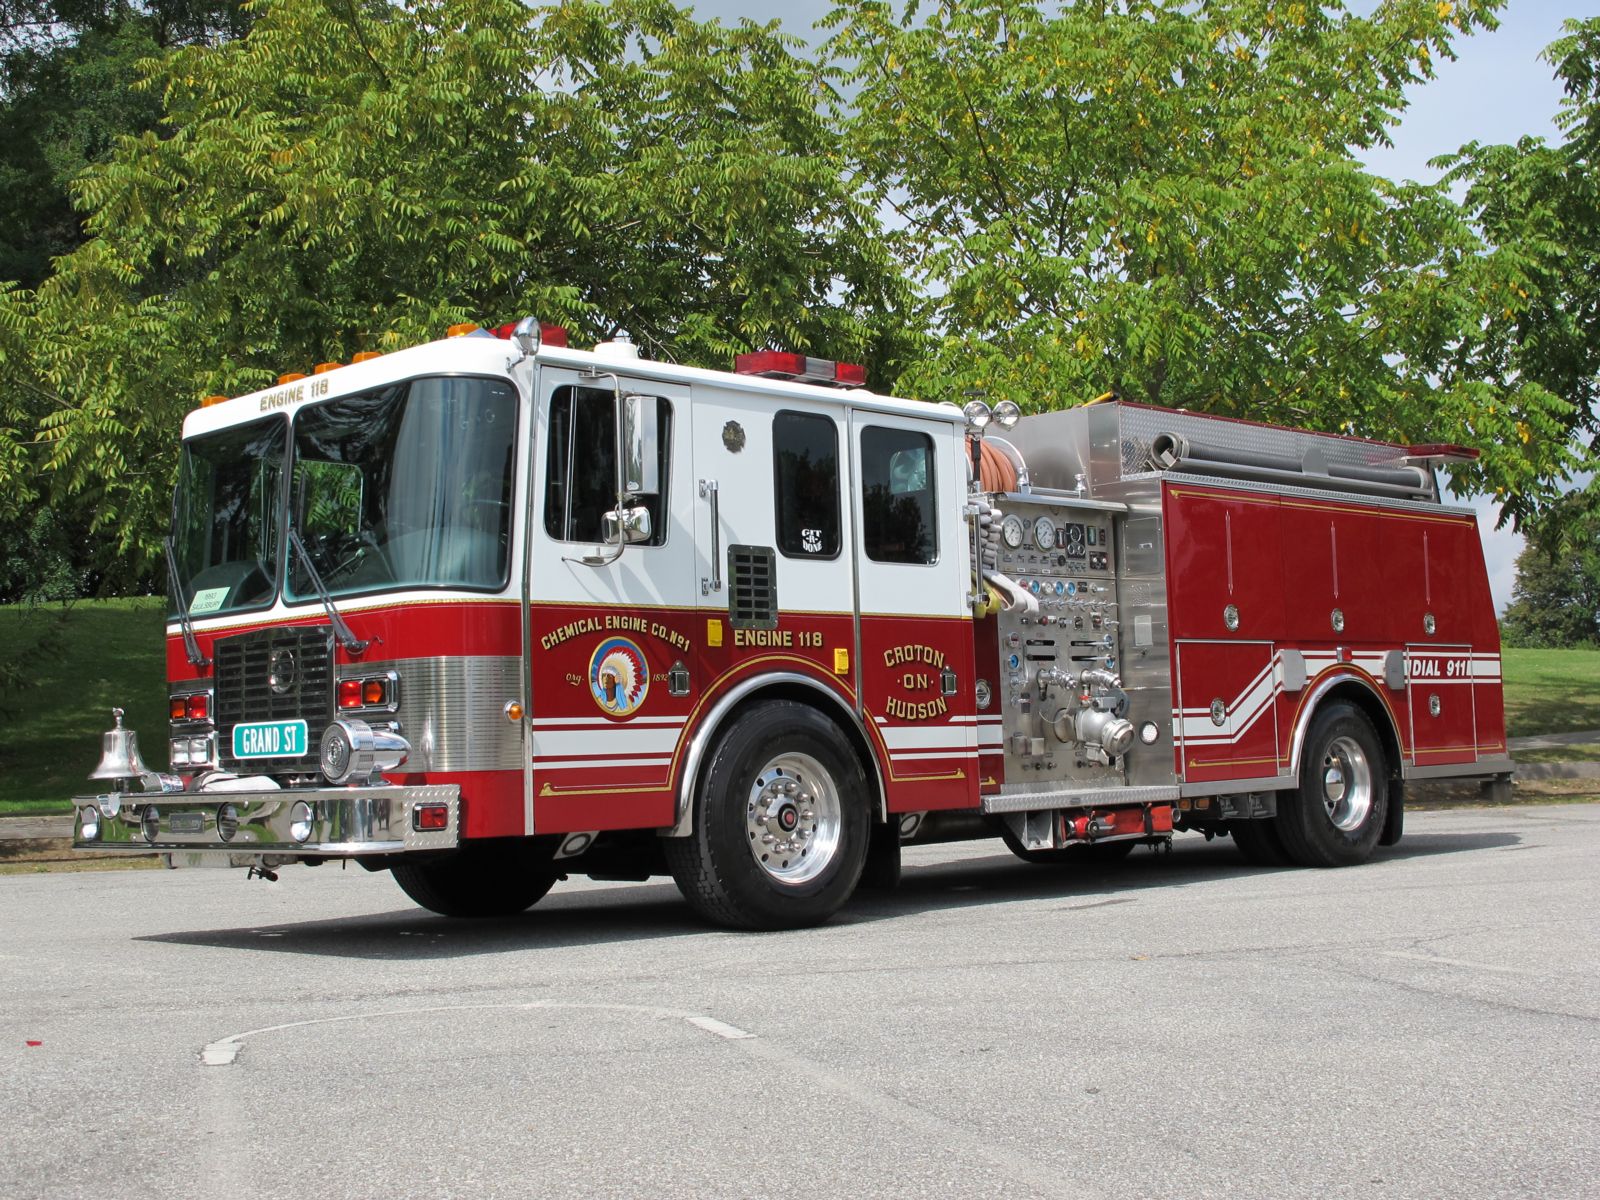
(1497, 90)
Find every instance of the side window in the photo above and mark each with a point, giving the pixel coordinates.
(897, 496)
(581, 471)
(805, 469)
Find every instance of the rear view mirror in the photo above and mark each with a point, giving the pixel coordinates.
(629, 527)
(640, 438)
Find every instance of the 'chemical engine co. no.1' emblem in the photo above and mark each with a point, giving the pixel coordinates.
(618, 677)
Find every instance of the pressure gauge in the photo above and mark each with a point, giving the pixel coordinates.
(1012, 530)
(1044, 534)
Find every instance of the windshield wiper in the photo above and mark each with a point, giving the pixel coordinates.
(347, 639)
(191, 644)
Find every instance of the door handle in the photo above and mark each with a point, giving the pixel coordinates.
(708, 492)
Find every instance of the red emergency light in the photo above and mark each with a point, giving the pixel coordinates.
(1442, 452)
(782, 364)
(549, 335)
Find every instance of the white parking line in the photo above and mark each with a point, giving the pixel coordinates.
(224, 1051)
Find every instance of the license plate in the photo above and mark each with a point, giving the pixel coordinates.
(269, 739)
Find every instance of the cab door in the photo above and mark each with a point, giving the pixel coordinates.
(916, 672)
(774, 560)
(610, 647)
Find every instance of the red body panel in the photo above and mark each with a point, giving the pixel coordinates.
(917, 679)
(1293, 568)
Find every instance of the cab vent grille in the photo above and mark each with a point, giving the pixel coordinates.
(753, 587)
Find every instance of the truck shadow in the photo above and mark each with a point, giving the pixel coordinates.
(571, 918)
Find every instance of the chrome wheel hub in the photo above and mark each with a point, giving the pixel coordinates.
(1347, 784)
(794, 818)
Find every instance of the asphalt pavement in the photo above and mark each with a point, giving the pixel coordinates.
(1177, 1026)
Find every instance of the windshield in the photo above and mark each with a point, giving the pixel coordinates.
(407, 486)
(225, 532)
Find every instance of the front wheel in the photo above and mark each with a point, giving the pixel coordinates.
(1336, 816)
(781, 825)
(498, 878)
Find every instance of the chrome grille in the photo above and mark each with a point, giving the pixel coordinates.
(248, 691)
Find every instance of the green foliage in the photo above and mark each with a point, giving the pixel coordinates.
(1556, 599)
(1539, 205)
(67, 75)
(356, 177)
(1162, 198)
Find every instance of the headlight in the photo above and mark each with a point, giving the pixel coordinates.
(227, 822)
(89, 828)
(150, 823)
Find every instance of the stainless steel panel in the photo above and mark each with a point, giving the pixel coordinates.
(452, 711)
(1022, 800)
(1484, 766)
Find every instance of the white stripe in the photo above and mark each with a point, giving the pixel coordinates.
(908, 737)
(580, 722)
(963, 753)
(587, 764)
(594, 743)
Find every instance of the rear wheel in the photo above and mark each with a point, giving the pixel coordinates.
(1259, 842)
(483, 879)
(1336, 816)
(782, 823)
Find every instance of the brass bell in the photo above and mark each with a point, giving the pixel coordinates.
(119, 753)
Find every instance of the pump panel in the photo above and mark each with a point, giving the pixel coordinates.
(1065, 558)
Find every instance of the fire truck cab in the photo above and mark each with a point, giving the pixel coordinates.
(491, 611)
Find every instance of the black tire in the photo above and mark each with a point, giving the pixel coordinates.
(1336, 816)
(727, 871)
(1083, 854)
(497, 878)
(882, 870)
(1259, 843)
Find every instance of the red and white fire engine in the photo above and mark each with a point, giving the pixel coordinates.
(491, 611)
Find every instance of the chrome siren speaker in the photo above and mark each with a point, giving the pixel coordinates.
(353, 751)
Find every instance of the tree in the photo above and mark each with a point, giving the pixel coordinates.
(67, 70)
(1539, 205)
(1162, 198)
(360, 176)
(1556, 599)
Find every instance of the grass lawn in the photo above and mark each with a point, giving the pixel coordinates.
(1551, 691)
(111, 657)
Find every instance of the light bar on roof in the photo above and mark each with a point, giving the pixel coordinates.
(782, 364)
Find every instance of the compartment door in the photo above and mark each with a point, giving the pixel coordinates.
(1227, 711)
(1439, 687)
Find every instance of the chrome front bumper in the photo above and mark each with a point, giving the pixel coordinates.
(345, 823)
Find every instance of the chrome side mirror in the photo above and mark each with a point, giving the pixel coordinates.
(628, 527)
(637, 473)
